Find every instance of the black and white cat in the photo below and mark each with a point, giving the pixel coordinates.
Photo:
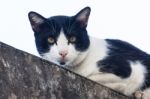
(114, 63)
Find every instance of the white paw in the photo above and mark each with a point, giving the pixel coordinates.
(138, 95)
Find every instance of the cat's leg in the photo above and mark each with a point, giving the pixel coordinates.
(116, 86)
(115, 82)
(138, 95)
(142, 95)
(122, 87)
(105, 78)
(110, 80)
(129, 91)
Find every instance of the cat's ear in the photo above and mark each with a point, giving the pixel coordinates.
(83, 16)
(35, 19)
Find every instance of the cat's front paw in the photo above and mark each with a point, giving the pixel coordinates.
(138, 95)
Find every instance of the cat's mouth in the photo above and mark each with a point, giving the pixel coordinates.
(62, 63)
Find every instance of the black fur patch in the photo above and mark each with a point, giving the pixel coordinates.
(119, 55)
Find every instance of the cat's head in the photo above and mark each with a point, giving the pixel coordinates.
(61, 39)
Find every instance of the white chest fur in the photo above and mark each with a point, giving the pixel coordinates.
(96, 52)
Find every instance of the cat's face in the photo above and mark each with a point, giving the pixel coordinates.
(61, 39)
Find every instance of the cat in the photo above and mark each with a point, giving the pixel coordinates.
(114, 63)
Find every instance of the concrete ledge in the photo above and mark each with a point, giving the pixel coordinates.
(24, 76)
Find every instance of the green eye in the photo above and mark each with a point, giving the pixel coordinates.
(51, 40)
(72, 39)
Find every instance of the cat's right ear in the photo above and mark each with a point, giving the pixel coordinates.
(83, 16)
(35, 20)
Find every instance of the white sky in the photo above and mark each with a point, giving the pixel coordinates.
(128, 20)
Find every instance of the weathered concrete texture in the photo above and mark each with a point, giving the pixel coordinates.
(24, 76)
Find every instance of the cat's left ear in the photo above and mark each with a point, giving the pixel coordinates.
(83, 16)
(35, 20)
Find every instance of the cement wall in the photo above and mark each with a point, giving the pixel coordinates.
(24, 76)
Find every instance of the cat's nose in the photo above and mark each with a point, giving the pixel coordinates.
(63, 53)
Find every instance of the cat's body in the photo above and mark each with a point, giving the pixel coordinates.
(114, 63)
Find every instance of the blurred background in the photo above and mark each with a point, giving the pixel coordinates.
(128, 20)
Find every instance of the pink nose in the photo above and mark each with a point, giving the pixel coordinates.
(63, 53)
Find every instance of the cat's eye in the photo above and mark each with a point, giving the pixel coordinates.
(72, 39)
(51, 40)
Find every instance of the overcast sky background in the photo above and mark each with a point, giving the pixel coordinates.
(128, 20)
